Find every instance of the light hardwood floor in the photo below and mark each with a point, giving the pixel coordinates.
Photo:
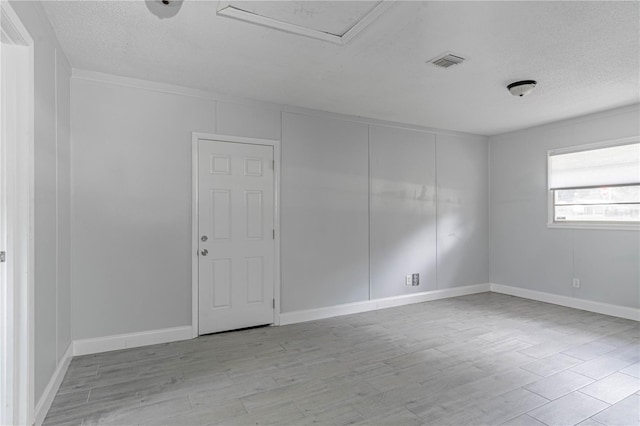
(485, 359)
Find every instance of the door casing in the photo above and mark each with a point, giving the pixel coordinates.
(17, 310)
(195, 137)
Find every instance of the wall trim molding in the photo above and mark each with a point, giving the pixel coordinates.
(375, 304)
(130, 340)
(570, 302)
(571, 121)
(213, 96)
(42, 408)
(137, 83)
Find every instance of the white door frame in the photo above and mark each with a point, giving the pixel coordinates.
(195, 137)
(17, 310)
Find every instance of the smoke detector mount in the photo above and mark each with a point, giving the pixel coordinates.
(521, 88)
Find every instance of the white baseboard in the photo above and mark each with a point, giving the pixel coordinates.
(372, 305)
(570, 302)
(130, 340)
(43, 405)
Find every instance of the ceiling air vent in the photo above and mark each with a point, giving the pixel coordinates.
(447, 60)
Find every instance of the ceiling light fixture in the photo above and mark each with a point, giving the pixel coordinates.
(522, 88)
(164, 8)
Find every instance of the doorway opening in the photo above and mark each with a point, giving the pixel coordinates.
(16, 219)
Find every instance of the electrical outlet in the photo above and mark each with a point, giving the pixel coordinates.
(408, 280)
(415, 279)
(576, 283)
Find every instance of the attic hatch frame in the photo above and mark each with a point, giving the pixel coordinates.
(226, 8)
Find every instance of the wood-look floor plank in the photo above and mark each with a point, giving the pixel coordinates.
(479, 360)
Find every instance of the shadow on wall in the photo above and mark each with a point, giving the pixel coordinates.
(455, 240)
(403, 236)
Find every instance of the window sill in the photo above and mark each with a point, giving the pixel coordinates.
(606, 226)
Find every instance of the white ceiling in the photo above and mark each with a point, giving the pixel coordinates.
(585, 56)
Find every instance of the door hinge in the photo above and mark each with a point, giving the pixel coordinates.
(274, 303)
(274, 234)
(273, 164)
(3, 256)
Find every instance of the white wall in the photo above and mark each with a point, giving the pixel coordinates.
(52, 284)
(429, 210)
(463, 210)
(131, 202)
(527, 254)
(132, 207)
(324, 219)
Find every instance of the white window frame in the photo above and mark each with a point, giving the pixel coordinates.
(552, 223)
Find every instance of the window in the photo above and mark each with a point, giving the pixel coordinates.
(595, 186)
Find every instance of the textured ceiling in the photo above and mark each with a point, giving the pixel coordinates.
(585, 56)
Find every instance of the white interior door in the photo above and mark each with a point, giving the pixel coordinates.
(236, 235)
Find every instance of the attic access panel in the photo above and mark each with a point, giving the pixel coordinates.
(333, 21)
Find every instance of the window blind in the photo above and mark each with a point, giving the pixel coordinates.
(611, 166)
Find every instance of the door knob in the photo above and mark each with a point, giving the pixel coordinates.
(204, 252)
